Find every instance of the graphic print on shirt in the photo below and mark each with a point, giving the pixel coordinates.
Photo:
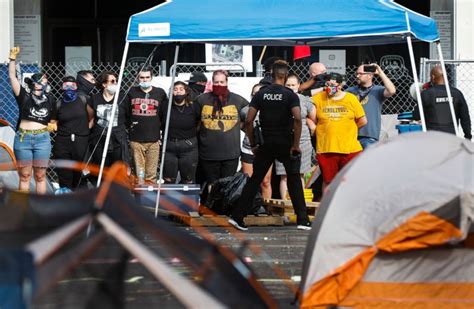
(222, 121)
(144, 107)
(335, 112)
(39, 113)
(104, 111)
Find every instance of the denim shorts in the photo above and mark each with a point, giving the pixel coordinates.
(32, 149)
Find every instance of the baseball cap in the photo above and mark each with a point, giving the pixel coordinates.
(197, 77)
(335, 76)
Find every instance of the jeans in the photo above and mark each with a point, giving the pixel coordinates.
(366, 141)
(181, 156)
(32, 149)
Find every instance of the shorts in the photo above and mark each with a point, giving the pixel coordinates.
(32, 149)
(332, 163)
(246, 157)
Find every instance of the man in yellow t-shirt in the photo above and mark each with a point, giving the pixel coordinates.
(339, 115)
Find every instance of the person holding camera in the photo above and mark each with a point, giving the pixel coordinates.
(37, 114)
(371, 97)
(317, 73)
(281, 123)
(338, 117)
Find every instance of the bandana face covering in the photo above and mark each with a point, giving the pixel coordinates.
(220, 90)
(69, 95)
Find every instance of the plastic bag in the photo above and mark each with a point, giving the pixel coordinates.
(225, 194)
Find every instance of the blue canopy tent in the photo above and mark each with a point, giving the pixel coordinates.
(278, 22)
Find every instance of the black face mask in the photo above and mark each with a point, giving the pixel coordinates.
(197, 87)
(179, 98)
(84, 85)
(320, 80)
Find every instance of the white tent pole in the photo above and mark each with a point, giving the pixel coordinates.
(165, 134)
(448, 89)
(112, 114)
(189, 294)
(415, 77)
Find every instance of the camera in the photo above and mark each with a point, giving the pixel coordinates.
(369, 68)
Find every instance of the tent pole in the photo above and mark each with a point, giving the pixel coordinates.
(448, 89)
(165, 134)
(415, 77)
(112, 114)
(189, 294)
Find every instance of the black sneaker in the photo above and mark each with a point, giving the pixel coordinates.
(306, 226)
(238, 225)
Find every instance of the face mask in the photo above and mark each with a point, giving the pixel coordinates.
(179, 98)
(69, 95)
(220, 90)
(145, 85)
(112, 89)
(84, 85)
(46, 88)
(198, 88)
(331, 90)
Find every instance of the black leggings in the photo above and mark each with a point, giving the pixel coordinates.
(181, 156)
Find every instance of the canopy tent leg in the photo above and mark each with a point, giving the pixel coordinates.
(165, 135)
(448, 89)
(112, 114)
(415, 77)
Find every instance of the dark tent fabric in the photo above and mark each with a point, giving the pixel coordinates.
(17, 278)
(227, 278)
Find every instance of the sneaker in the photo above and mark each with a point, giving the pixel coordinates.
(306, 226)
(238, 225)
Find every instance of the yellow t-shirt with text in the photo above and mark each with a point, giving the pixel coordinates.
(336, 128)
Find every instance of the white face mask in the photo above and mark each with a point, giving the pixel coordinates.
(112, 89)
(145, 85)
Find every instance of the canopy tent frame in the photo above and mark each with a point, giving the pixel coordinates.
(377, 38)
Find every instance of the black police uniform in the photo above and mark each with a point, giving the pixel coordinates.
(437, 111)
(274, 103)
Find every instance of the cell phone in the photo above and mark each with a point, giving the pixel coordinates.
(369, 68)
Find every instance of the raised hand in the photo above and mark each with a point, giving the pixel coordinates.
(14, 52)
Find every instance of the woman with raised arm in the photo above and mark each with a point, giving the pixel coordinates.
(37, 114)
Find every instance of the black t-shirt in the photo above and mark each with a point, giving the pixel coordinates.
(438, 114)
(144, 110)
(183, 120)
(72, 118)
(102, 112)
(276, 119)
(219, 135)
(31, 110)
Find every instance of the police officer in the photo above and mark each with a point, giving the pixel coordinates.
(436, 106)
(280, 119)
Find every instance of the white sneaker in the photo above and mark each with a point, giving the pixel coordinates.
(238, 226)
(305, 227)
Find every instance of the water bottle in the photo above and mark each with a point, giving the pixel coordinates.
(141, 176)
